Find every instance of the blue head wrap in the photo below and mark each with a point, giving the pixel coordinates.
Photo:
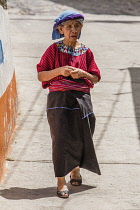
(67, 15)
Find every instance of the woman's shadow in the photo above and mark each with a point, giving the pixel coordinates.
(18, 193)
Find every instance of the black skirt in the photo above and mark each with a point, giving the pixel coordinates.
(72, 122)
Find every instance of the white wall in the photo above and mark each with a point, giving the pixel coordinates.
(6, 68)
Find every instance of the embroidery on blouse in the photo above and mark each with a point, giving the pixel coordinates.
(75, 52)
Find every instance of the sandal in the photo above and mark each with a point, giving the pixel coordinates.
(79, 181)
(63, 194)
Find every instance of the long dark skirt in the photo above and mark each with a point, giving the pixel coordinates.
(72, 122)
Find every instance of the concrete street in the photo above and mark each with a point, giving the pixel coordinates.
(29, 183)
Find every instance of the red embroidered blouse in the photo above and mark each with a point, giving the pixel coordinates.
(58, 55)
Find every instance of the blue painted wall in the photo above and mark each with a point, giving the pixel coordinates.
(1, 53)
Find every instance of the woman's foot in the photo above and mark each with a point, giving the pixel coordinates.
(62, 190)
(75, 177)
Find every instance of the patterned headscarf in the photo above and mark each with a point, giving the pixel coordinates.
(67, 15)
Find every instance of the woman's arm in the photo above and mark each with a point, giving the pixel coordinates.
(77, 73)
(44, 76)
(93, 78)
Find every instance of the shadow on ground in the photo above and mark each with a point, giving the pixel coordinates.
(135, 83)
(114, 7)
(17, 193)
(113, 21)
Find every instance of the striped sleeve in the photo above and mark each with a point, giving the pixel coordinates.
(47, 60)
(47, 63)
(91, 64)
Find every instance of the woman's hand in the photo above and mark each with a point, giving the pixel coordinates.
(77, 73)
(66, 70)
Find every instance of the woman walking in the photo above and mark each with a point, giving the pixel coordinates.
(69, 70)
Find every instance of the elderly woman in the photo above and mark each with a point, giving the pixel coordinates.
(69, 70)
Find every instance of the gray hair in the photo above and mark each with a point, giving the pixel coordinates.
(78, 19)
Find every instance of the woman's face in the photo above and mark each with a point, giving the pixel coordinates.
(71, 29)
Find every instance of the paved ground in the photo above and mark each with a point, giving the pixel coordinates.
(29, 182)
(113, 7)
